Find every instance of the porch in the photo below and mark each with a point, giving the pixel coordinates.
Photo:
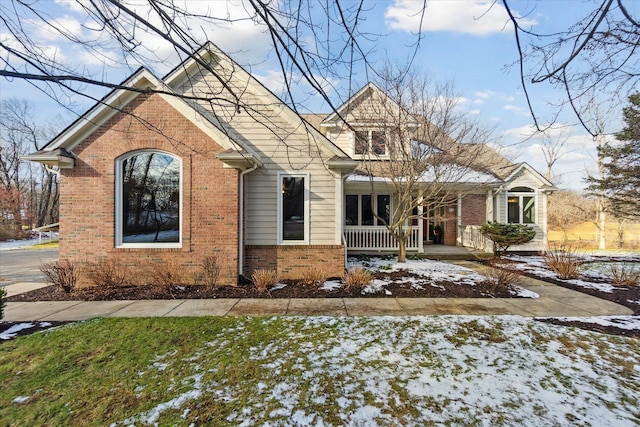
(470, 244)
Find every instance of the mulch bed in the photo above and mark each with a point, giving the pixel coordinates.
(626, 296)
(608, 329)
(430, 289)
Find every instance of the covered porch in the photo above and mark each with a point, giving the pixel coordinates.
(373, 240)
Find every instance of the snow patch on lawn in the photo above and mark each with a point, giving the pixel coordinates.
(424, 370)
(14, 329)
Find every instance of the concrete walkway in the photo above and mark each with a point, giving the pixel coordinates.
(554, 301)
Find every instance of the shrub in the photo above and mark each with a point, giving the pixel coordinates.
(263, 279)
(564, 261)
(63, 274)
(358, 278)
(504, 236)
(108, 272)
(313, 276)
(500, 277)
(210, 270)
(624, 274)
(168, 273)
(3, 301)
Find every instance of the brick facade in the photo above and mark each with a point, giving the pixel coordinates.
(209, 192)
(474, 209)
(290, 260)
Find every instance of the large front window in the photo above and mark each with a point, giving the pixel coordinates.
(521, 206)
(359, 209)
(148, 200)
(293, 208)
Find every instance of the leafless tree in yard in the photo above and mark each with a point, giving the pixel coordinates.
(29, 192)
(314, 44)
(428, 151)
(594, 59)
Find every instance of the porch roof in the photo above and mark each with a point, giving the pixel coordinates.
(452, 174)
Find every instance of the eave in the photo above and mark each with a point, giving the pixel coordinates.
(240, 160)
(59, 157)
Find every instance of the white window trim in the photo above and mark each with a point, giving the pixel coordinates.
(307, 208)
(370, 153)
(520, 195)
(118, 203)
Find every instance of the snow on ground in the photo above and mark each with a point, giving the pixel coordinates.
(433, 271)
(449, 370)
(536, 265)
(628, 323)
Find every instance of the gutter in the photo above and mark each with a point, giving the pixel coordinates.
(241, 219)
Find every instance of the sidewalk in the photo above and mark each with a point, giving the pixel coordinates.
(554, 301)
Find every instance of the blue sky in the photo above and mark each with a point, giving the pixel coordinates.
(466, 42)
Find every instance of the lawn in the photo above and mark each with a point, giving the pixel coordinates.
(319, 371)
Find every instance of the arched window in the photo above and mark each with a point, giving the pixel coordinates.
(148, 199)
(521, 205)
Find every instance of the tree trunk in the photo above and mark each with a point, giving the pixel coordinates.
(402, 250)
(602, 222)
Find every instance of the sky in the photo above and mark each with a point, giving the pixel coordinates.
(467, 43)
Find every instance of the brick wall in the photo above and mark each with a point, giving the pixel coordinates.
(474, 209)
(290, 260)
(209, 192)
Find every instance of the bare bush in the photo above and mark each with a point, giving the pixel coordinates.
(358, 278)
(501, 277)
(210, 270)
(563, 260)
(624, 274)
(108, 272)
(263, 279)
(169, 273)
(63, 274)
(313, 276)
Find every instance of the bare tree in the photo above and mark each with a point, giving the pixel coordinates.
(30, 192)
(314, 44)
(427, 151)
(594, 59)
(553, 148)
(568, 208)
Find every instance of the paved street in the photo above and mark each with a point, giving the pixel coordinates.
(23, 265)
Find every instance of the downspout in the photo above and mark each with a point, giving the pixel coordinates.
(241, 219)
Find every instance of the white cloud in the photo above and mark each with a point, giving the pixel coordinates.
(476, 17)
(516, 110)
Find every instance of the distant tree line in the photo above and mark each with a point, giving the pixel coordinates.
(29, 193)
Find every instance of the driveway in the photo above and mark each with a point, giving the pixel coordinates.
(23, 265)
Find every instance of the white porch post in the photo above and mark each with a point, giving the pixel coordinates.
(489, 206)
(420, 226)
(459, 222)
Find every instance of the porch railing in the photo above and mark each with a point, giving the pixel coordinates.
(470, 237)
(377, 238)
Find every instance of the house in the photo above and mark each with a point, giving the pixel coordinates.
(200, 163)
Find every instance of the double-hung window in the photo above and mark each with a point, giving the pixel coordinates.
(359, 209)
(521, 206)
(370, 142)
(148, 200)
(293, 208)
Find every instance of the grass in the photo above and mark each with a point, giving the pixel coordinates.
(318, 370)
(47, 245)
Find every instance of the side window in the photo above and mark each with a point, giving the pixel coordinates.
(293, 208)
(148, 197)
(521, 206)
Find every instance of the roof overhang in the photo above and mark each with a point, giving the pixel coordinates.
(58, 157)
(241, 160)
(343, 164)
